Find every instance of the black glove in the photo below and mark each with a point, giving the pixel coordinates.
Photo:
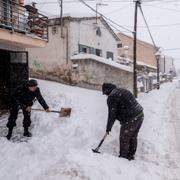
(107, 131)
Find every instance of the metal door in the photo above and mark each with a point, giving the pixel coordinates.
(18, 69)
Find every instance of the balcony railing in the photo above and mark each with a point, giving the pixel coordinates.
(23, 19)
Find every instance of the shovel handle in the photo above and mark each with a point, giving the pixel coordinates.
(44, 110)
(104, 137)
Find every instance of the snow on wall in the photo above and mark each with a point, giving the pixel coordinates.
(102, 60)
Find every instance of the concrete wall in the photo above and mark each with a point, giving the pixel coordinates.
(52, 55)
(91, 74)
(145, 51)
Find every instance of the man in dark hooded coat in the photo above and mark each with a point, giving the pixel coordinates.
(123, 106)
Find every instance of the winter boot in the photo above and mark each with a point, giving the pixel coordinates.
(27, 133)
(131, 158)
(9, 135)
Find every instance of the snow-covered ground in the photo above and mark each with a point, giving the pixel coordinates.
(60, 148)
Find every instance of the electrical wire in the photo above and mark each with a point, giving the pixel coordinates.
(117, 10)
(104, 16)
(169, 9)
(147, 26)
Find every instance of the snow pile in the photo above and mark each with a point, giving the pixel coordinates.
(61, 147)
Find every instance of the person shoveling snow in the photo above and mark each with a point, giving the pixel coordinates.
(23, 98)
(123, 106)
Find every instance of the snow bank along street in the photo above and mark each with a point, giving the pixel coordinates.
(60, 148)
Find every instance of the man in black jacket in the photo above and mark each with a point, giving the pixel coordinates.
(123, 106)
(23, 98)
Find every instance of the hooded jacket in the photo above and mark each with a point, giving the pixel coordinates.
(122, 105)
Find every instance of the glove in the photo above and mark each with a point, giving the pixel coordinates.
(107, 132)
(47, 110)
(28, 109)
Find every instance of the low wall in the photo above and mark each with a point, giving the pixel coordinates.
(86, 73)
(91, 74)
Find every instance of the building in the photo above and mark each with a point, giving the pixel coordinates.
(146, 60)
(69, 37)
(18, 31)
(166, 64)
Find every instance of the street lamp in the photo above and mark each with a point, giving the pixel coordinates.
(158, 56)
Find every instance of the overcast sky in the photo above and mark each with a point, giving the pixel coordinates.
(163, 17)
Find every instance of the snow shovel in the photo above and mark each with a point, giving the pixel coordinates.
(64, 112)
(97, 149)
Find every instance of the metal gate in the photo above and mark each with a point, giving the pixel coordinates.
(18, 69)
(13, 72)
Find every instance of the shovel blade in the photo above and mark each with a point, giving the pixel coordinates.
(95, 151)
(65, 112)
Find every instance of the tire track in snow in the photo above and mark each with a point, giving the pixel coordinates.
(171, 125)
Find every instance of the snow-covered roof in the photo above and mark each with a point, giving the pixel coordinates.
(73, 15)
(142, 63)
(102, 60)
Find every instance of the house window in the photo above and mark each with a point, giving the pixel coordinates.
(89, 50)
(54, 30)
(84, 49)
(98, 52)
(119, 45)
(109, 55)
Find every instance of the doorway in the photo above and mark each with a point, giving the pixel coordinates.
(13, 72)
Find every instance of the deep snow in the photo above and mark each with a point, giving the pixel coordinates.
(60, 148)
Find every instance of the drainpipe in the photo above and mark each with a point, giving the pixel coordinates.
(164, 64)
(67, 44)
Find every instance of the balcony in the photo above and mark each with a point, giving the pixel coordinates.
(22, 25)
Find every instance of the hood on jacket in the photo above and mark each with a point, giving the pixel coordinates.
(107, 88)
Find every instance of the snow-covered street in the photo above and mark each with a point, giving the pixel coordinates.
(60, 148)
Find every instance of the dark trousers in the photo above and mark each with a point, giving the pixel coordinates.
(13, 117)
(128, 136)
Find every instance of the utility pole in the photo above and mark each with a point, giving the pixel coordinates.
(137, 3)
(158, 56)
(61, 17)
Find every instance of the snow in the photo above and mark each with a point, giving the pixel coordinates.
(60, 148)
(102, 60)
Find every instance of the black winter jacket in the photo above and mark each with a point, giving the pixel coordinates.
(23, 97)
(123, 106)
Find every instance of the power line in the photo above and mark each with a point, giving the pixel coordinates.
(147, 27)
(104, 16)
(117, 10)
(157, 25)
(166, 2)
(162, 8)
(172, 49)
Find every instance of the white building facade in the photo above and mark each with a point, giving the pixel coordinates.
(77, 35)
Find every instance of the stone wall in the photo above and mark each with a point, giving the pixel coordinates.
(91, 74)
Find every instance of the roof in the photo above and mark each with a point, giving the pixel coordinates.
(56, 21)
